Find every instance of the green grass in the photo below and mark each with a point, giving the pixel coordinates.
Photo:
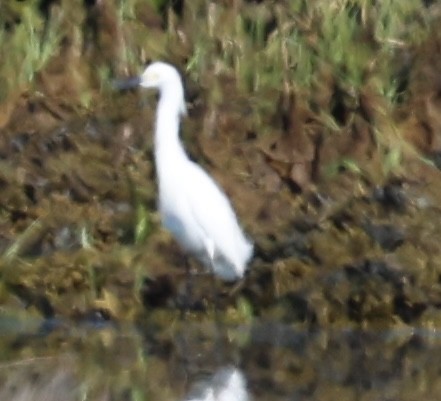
(27, 46)
(309, 47)
(353, 39)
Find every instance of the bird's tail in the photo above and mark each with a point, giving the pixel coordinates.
(233, 270)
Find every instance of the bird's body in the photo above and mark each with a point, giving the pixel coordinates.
(192, 206)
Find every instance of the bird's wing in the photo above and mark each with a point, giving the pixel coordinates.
(209, 203)
(213, 212)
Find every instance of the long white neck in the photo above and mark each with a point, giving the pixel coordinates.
(168, 147)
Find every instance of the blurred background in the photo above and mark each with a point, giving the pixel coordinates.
(320, 119)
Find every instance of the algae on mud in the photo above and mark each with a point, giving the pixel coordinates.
(320, 121)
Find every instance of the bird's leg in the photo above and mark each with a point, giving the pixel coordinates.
(210, 248)
(236, 287)
(188, 301)
(188, 283)
(215, 292)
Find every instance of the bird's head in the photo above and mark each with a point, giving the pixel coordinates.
(159, 74)
(163, 76)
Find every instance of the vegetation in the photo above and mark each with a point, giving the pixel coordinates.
(320, 119)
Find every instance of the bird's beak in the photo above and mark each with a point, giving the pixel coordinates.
(128, 83)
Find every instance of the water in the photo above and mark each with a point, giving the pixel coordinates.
(275, 362)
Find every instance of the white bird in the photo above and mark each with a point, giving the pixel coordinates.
(192, 206)
(227, 384)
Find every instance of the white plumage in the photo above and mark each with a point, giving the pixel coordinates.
(192, 206)
(227, 384)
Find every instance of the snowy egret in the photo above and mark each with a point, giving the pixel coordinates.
(192, 206)
(227, 384)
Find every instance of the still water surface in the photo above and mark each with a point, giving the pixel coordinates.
(210, 361)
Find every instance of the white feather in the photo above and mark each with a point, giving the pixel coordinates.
(227, 384)
(192, 206)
